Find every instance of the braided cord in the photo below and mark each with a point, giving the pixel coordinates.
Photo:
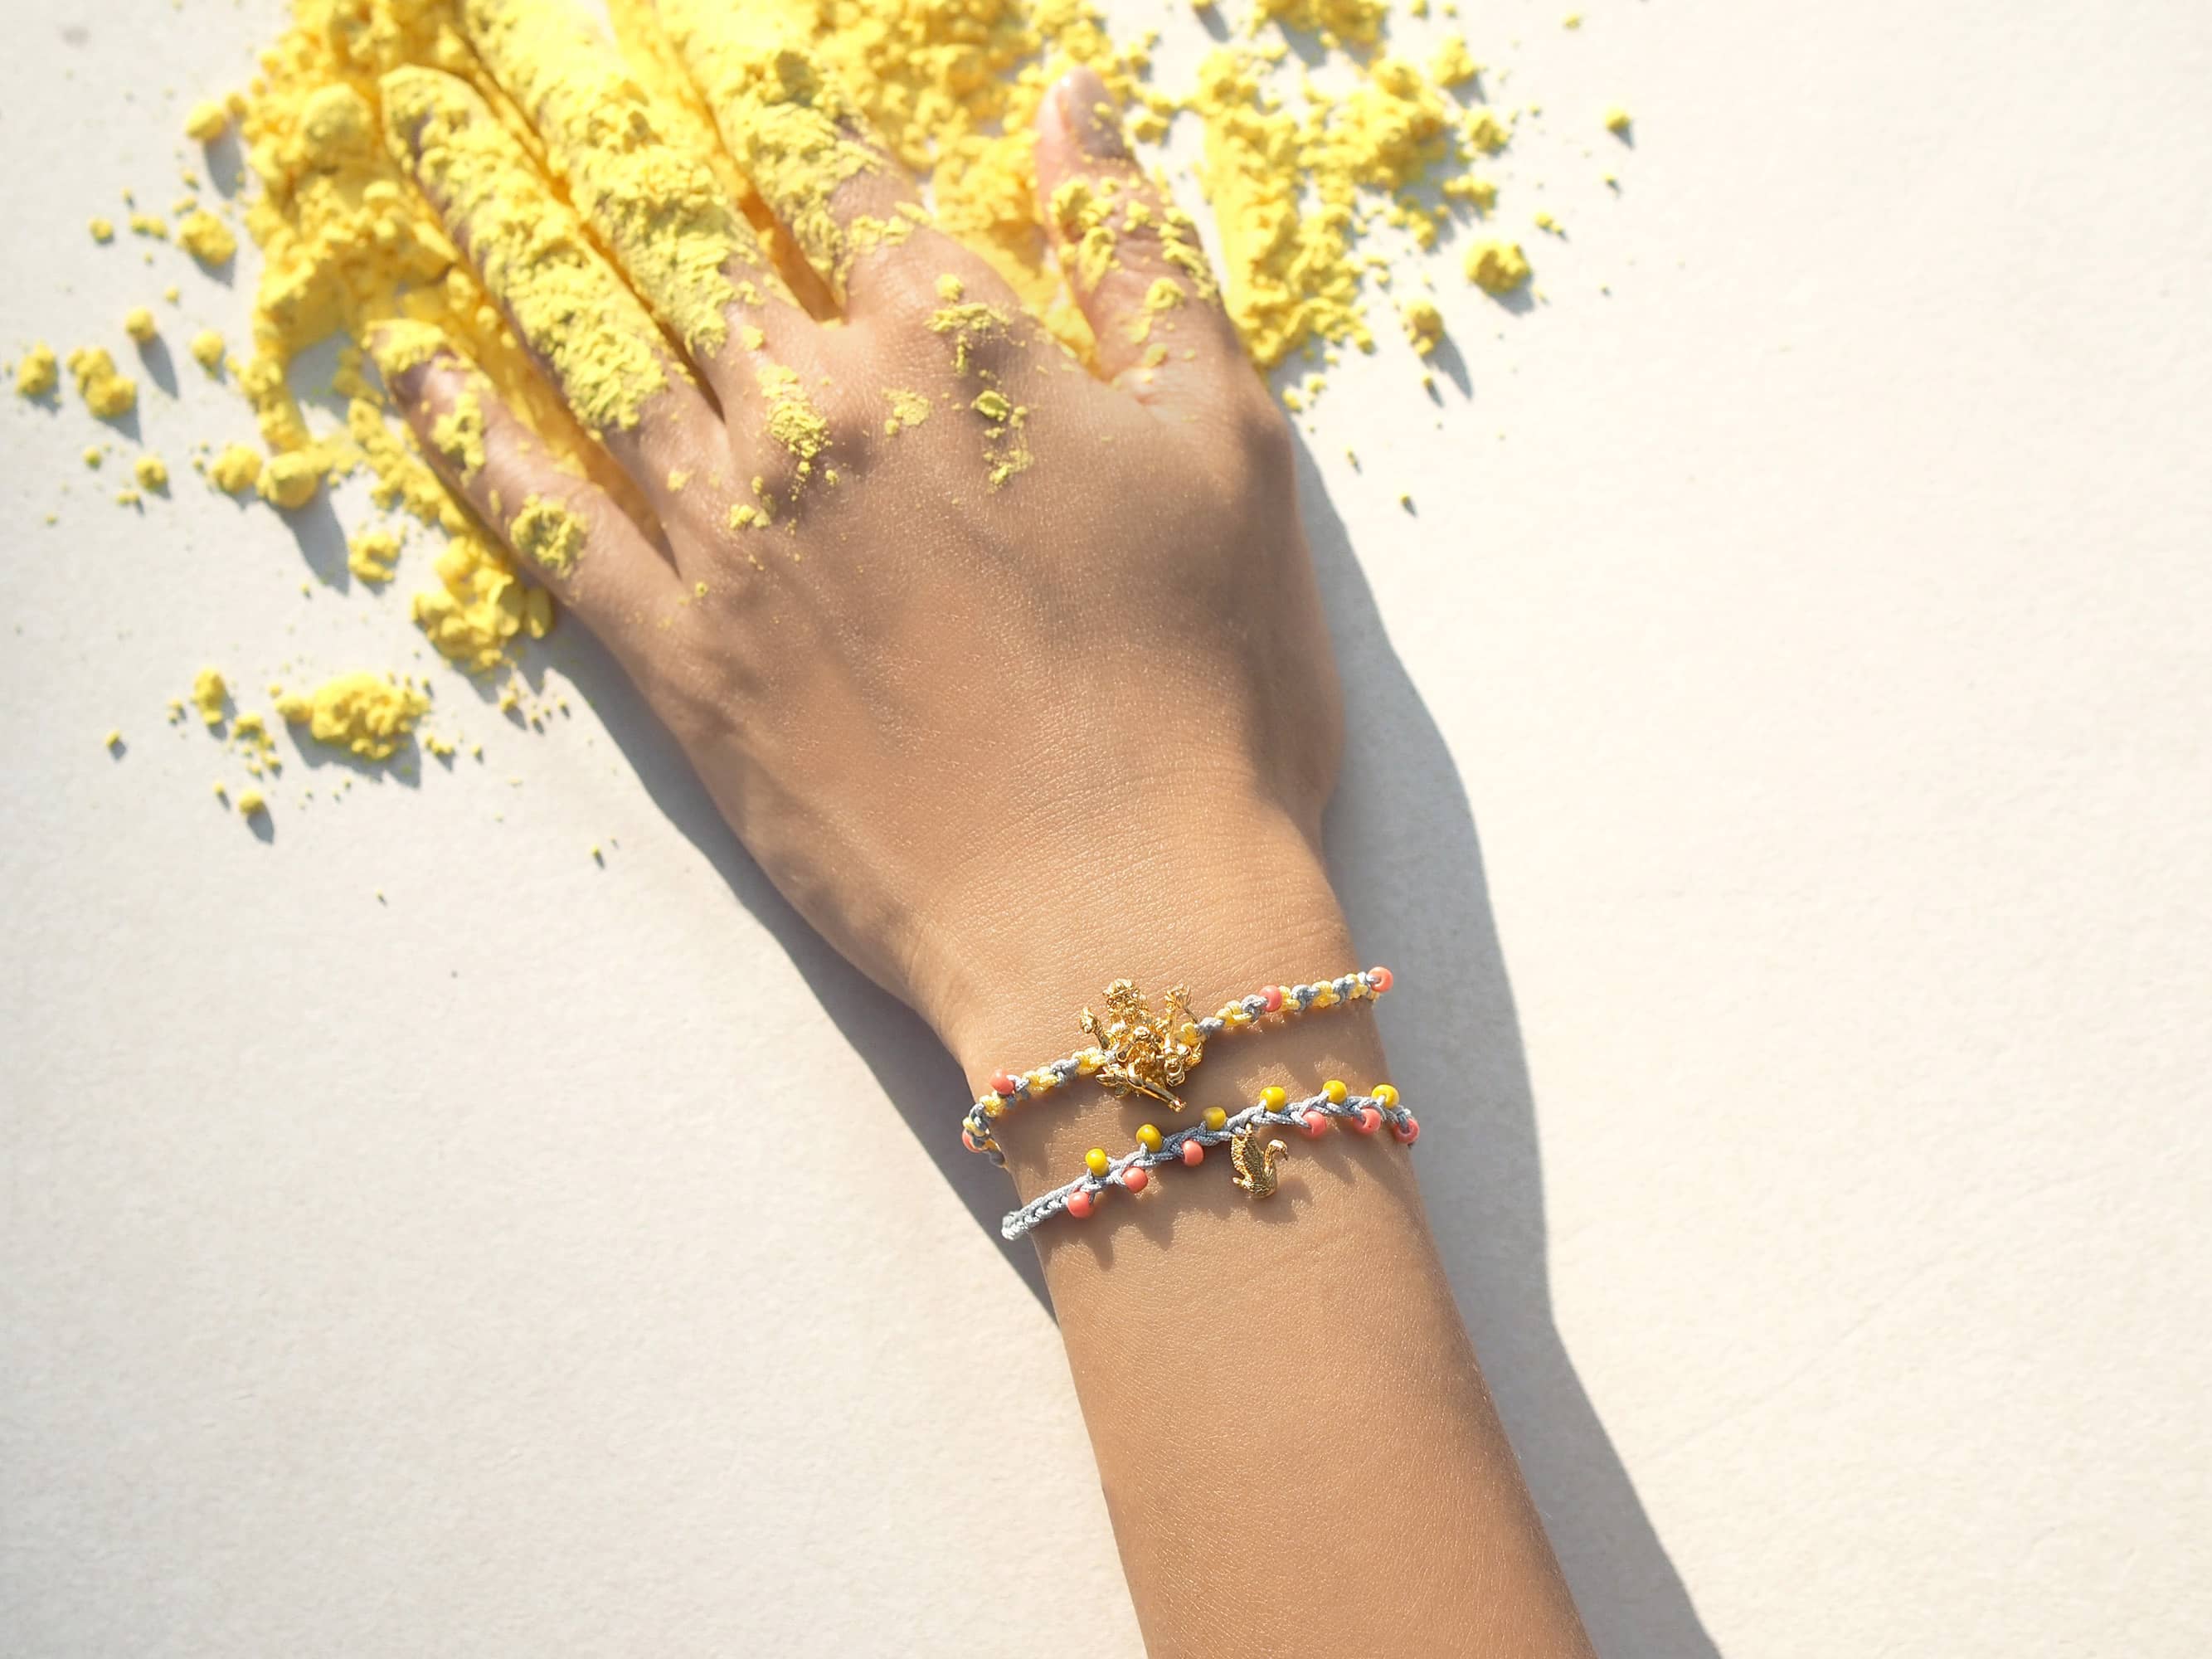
(1291, 1115)
(1288, 1000)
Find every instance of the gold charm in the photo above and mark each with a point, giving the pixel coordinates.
(1254, 1164)
(1146, 1054)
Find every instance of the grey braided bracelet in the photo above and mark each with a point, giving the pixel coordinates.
(1252, 1157)
(1146, 1052)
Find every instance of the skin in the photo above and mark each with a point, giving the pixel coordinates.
(1002, 744)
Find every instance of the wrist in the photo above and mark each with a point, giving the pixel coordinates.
(1221, 896)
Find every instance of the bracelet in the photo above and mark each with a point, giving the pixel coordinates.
(1251, 1159)
(1137, 1051)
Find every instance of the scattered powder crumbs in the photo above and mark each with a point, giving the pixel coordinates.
(479, 605)
(206, 237)
(909, 409)
(38, 374)
(103, 230)
(289, 481)
(113, 740)
(206, 348)
(209, 693)
(1424, 324)
(1497, 267)
(369, 714)
(206, 121)
(1450, 65)
(1544, 221)
(138, 324)
(458, 435)
(1617, 121)
(152, 472)
(677, 478)
(106, 393)
(236, 470)
(250, 803)
(372, 553)
(549, 535)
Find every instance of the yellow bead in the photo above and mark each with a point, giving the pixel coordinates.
(1385, 1094)
(1325, 997)
(1273, 1098)
(994, 1107)
(1148, 1137)
(1096, 1160)
(1336, 1091)
(1215, 1117)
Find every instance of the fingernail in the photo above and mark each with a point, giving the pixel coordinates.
(1092, 118)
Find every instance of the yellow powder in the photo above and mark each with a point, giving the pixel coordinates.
(206, 237)
(208, 695)
(1480, 194)
(206, 350)
(103, 230)
(112, 740)
(792, 421)
(549, 535)
(152, 472)
(371, 555)
(360, 712)
(1497, 267)
(94, 455)
(250, 803)
(479, 605)
(1450, 65)
(1544, 221)
(106, 392)
(1424, 324)
(38, 374)
(909, 409)
(1617, 121)
(289, 481)
(138, 324)
(1486, 133)
(205, 121)
(128, 497)
(236, 470)
(602, 345)
(662, 212)
(153, 225)
(789, 125)
(458, 434)
(1358, 21)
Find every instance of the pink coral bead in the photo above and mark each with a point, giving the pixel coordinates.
(1079, 1203)
(1193, 1153)
(1273, 996)
(969, 1141)
(1003, 1082)
(1316, 1124)
(1136, 1178)
(1368, 1122)
(1380, 979)
(1408, 1132)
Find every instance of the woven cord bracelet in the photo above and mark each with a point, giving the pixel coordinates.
(1252, 1159)
(1138, 1051)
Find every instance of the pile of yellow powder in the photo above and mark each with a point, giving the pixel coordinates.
(1295, 177)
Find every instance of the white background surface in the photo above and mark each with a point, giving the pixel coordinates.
(1813, 1048)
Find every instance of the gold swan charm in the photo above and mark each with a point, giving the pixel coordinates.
(1255, 1163)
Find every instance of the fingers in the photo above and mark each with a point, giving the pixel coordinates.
(1131, 257)
(807, 148)
(604, 353)
(672, 228)
(565, 530)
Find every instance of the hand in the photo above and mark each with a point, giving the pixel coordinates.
(1003, 664)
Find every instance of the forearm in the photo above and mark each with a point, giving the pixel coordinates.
(1294, 1438)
